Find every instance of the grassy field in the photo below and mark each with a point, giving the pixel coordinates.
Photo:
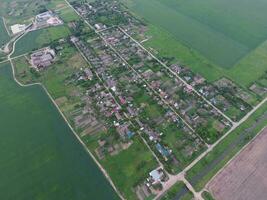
(207, 167)
(67, 15)
(178, 191)
(130, 167)
(211, 43)
(37, 39)
(4, 37)
(207, 196)
(40, 156)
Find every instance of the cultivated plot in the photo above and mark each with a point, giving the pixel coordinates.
(244, 178)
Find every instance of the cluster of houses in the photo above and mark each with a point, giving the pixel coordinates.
(122, 82)
(167, 87)
(103, 14)
(127, 71)
(42, 58)
(224, 94)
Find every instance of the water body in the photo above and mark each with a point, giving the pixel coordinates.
(40, 158)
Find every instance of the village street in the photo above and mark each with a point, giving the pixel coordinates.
(181, 176)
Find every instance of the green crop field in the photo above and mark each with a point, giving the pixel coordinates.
(40, 156)
(214, 37)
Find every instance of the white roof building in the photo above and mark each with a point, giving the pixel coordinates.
(17, 28)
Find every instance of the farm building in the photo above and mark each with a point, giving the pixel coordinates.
(43, 58)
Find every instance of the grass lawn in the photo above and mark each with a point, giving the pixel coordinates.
(68, 62)
(179, 141)
(67, 15)
(23, 72)
(54, 78)
(212, 46)
(130, 167)
(4, 37)
(40, 38)
(207, 196)
(207, 167)
(178, 191)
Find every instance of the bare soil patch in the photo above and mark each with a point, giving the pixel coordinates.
(244, 178)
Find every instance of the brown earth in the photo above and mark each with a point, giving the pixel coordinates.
(245, 177)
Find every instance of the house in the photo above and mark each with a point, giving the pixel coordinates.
(44, 16)
(42, 58)
(156, 176)
(88, 74)
(163, 151)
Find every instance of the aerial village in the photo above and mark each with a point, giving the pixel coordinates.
(177, 112)
(128, 93)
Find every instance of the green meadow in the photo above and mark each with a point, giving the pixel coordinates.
(68, 14)
(40, 156)
(214, 37)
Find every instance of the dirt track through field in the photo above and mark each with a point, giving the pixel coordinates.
(245, 177)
